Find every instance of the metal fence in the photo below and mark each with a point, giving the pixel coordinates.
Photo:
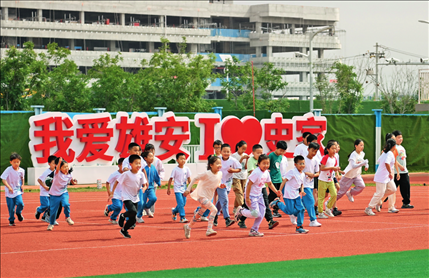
(192, 149)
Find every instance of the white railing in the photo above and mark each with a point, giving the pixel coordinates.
(192, 149)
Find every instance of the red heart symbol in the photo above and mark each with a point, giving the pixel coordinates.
(234, 130)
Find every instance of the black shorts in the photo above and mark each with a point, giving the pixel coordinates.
(316, 183)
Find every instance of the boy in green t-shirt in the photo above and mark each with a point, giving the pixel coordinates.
(252, 164)
(276, 176)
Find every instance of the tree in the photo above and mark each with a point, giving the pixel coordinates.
(327, 92)
(348, 88)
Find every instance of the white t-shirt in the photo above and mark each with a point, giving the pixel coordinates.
(159, 167)
(226, 176)
(301, 149)
(59, 184)
(357, 158)
(283, 167)
(294, 181)
(14, 179)
(402, 159)
(131, 184)
(208, 183)
(43, 191)
(126, 163)
(312, 166)
(259, 180)
(327, 176)
(243, 174)
(382, 175)
(118, 190)
(180, 177)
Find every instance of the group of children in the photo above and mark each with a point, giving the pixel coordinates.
(313, 177)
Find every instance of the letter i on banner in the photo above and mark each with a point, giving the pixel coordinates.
(209, 125)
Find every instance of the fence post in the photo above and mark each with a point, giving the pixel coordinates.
(38, 109)
(160, 110)
(99, 110)
(317, 112)
(218, 110)
(377, 113)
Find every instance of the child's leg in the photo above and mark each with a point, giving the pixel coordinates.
(404, 187)
(333, 192)
(322, 189)
(116, 207)
(308, 202)
(54, 203)
(299, 211)
(19, 204)
(236, 187)
(380, 188)
(391, 192)
(359, 186)
(152, 208)
(44, 204)
(261, 209)
(66, 204)
(345, 184)
(258, 205)
(11, 208)
(150, 194)
(140, 203)
(268, 213)
(130, 213)
(180, 205)
(206, 204)
(223, 201)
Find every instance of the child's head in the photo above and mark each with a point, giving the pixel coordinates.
(398, 135)
(257, 151)
(331, 148)
(133, 148)
(299, 162)
(64, 166)
(214, 163)
(51, 161)
(359, 145)
(281, 148)
(390, 145)
(15, 160)
(135, 162)
(304, 138)
(149, 148)
(148, 157)
(241, 147)
(181, 159)
(120, 161)
(389, 136)
(225, 151)
(311, 138)
(313, 148)
(217, 145)
(264, 162)
(338, 147)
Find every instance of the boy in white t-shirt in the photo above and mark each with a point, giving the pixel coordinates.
(159, 168)
(44, 190)
(311, 171)
(114, 192)
(292, 186)
(404, 180)
(131, 182)
(301, 149)
(13, 179)
(181, 176)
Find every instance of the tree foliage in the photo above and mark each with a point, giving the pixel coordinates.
(327, 93)
(348, 88)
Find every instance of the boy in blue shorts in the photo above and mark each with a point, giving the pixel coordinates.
(115, 194)
(44, 189)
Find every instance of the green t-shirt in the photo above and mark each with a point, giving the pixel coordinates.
(275, 161)
(252, 164)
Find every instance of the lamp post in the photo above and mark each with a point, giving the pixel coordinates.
(424, 21)
(312, 35)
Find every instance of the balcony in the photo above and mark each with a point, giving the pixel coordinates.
(295, 64)
(323, 40)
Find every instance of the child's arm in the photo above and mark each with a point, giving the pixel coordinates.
(301, 191)
(398, 176)
(310, 175)
(231, 170)
(169, 185)
(7, 185)
(73, 182)
(274, 189)
(42, 184)
(145, 175)
(58, 165)
(108, 188)
(188, 190)
(389, 170)
(324, 168)
(113, 190)
(283, 184)
(248, 188)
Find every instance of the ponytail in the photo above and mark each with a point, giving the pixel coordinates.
(211, 160)
(390, 143)
(357, 142)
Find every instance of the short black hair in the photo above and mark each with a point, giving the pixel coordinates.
(179, 155)
(298, 158)
(305, 134)
(51, 158)
(149, 147)
(311, 138)
(396, 132)
(262, 157)
(133, 157)
(281, 145)
(146, 154)
(314, 146)
(15, 156)
(120, 160)
(225, 146)
(132, 145)
(217, 142)
(256, 147)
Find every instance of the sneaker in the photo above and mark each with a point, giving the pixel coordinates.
(369, 211)
(56, 223)
(124, 233)
(293, 219)
(149, 213)
(272, 224)
(276, 214)
(47, 220)
(255, 233)
(336, 212)
(187, 231)
(301, 230)
(329, 213)
(314, 223)
(211, 232)
(140, 220)
(184, 220)
(408, 206)
(204, 219)
(238, 214)
(350, 197)
(273, 204)
(215, 220)
(174, 217)
(113, 221)
(229, 222)
(37, 214)
(20, 217)
(11, 223)
(234, 210)
(69, 221)
(378, 208)
(144, 213)
(242, 225)
(326, 203)
(121, 220)
(106, 211)
(50, 227)
(132, 227)
(393, 210)
(322, 215)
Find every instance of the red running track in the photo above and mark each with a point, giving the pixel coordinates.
(93, 246)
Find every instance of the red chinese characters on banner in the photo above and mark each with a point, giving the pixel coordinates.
(312, 125)
(279, 130)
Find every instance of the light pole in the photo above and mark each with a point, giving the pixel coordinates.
(424, 21)
(312, 35)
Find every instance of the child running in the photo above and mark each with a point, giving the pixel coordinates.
(59, 193)
(44, 189)
(302, 148)
(292, 187)
(149, 196)
(239, 179)
(254, 197)
(131, 182)
(159, 168)
(13, 179)
(311, 171)
(275, 174)
(114, 192)
(208, 183)
(181, 176)
(383, 177)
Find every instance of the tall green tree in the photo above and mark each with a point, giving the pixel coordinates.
(348, 88)
(327, 93)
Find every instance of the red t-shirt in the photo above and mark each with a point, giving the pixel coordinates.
(328, 161)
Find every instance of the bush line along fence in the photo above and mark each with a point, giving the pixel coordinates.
(14, 134)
